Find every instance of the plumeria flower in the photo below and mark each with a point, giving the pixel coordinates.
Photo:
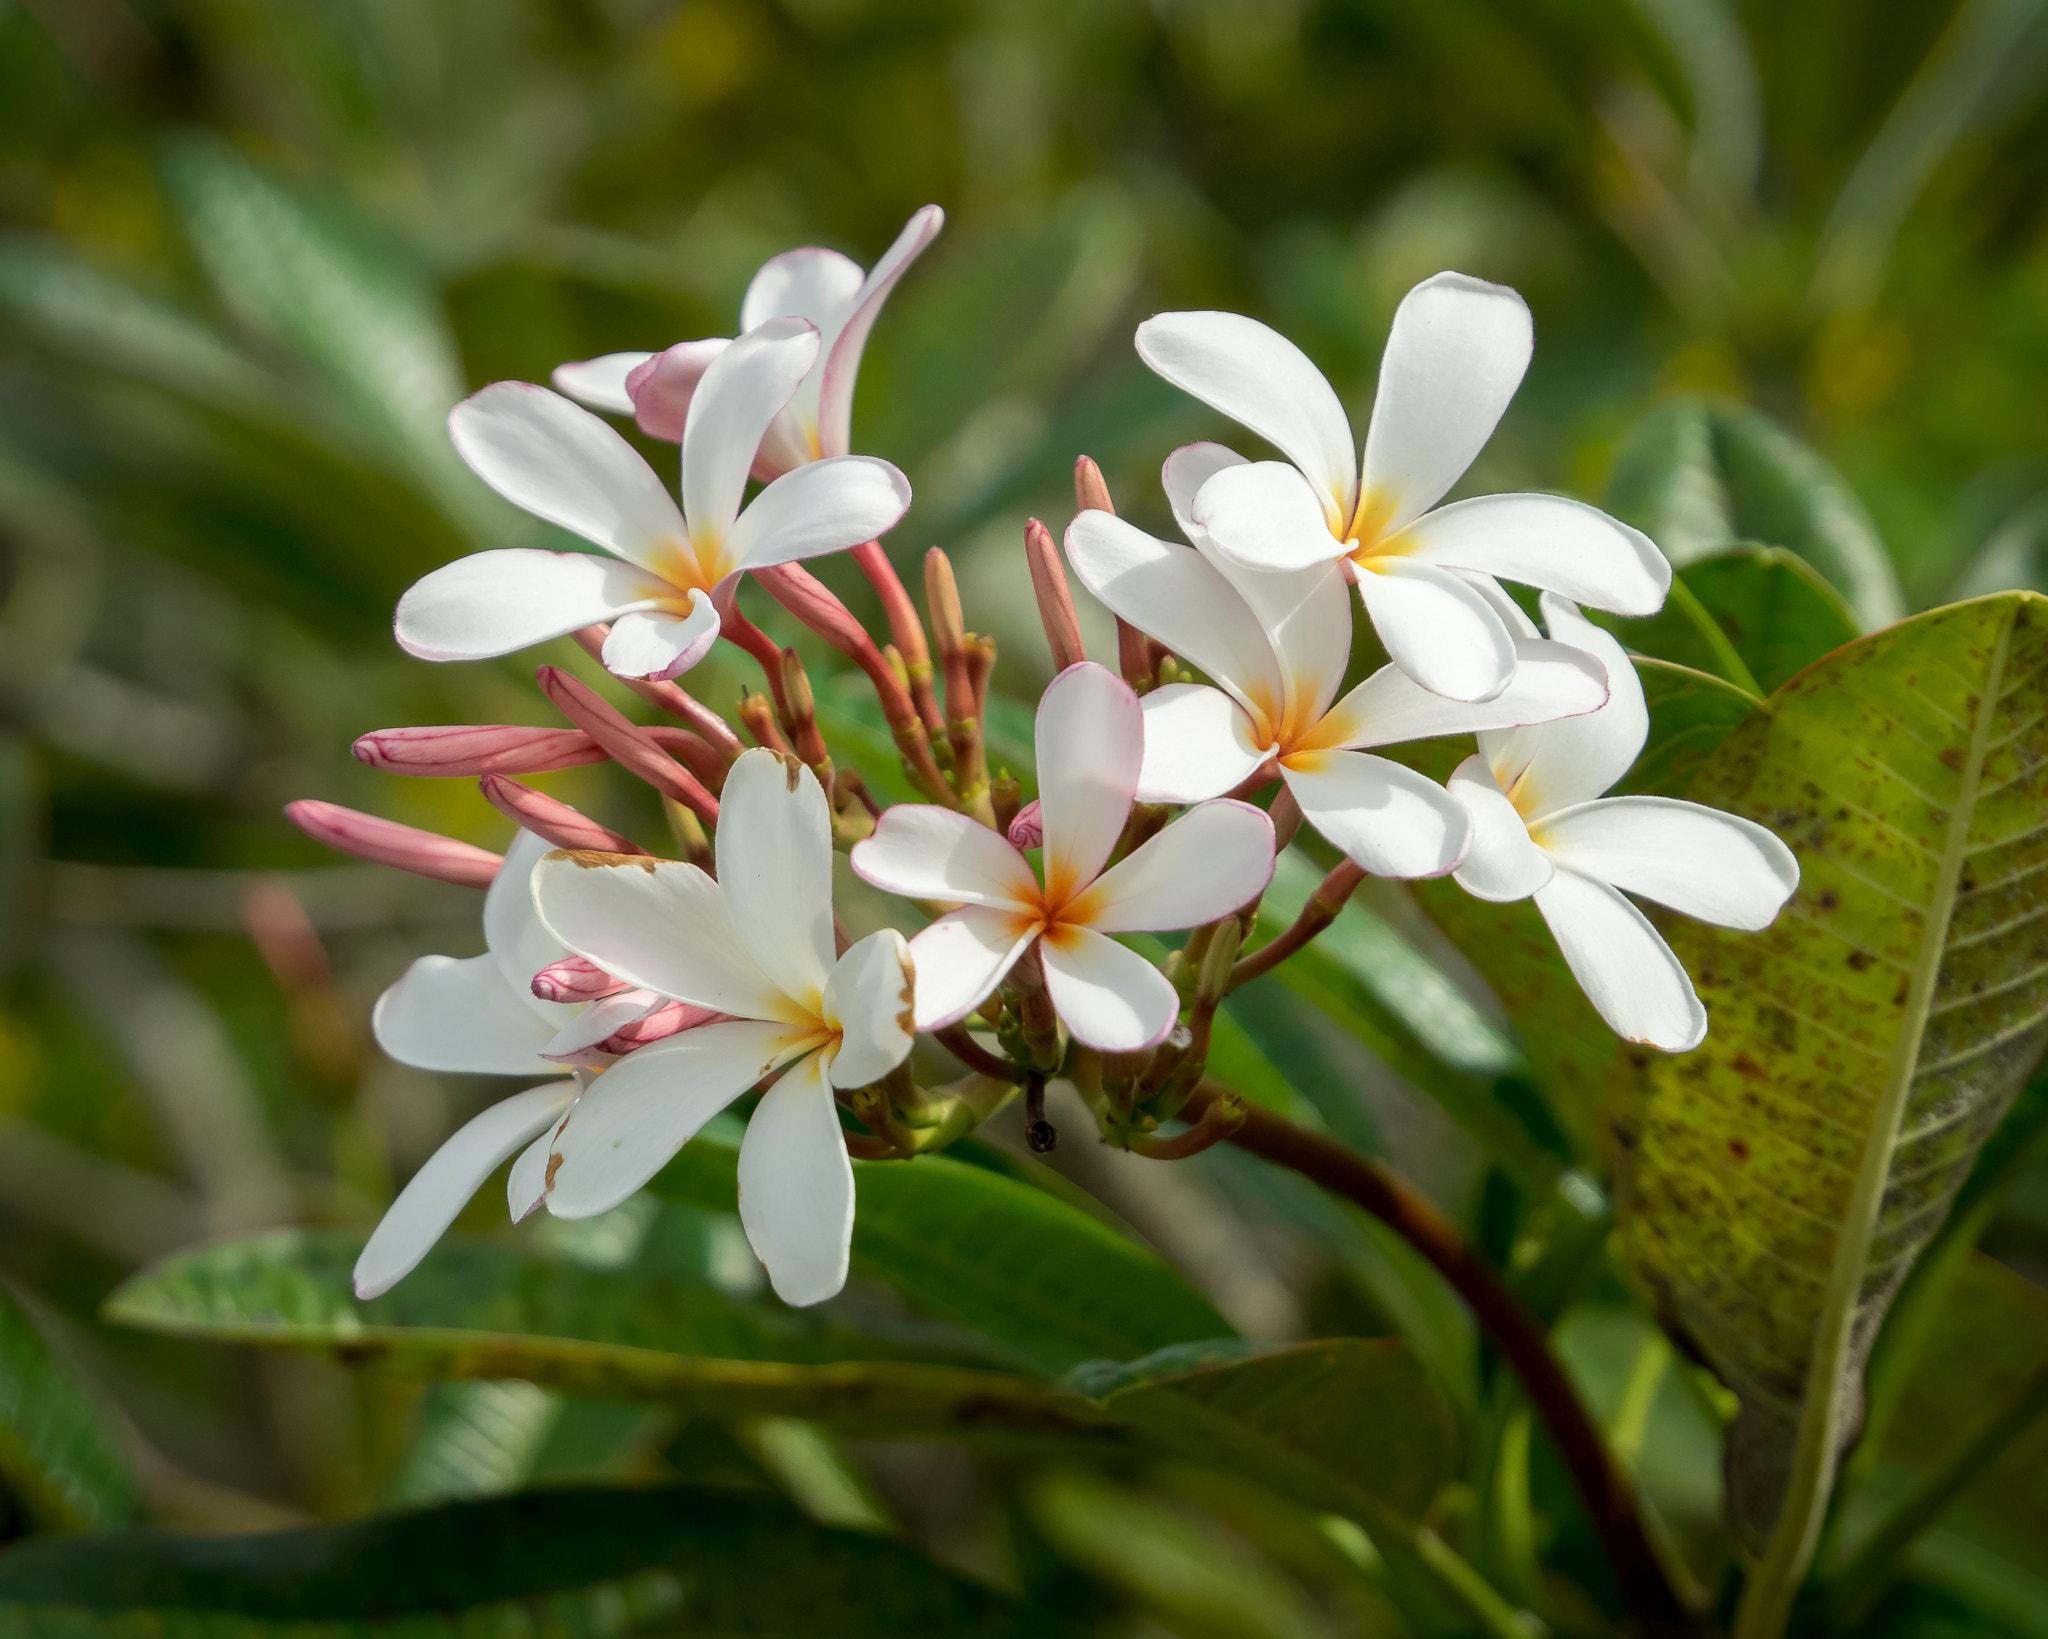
(1091, 747)
(822, 286)
(1453, 360)
(668, 569)
(1276, 644)
(1541, 827)
(755, 945)
(479, 1015)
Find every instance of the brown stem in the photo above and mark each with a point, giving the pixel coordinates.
(1323, 907)
(1602, 1486)
(955, 1039)
(767, 653)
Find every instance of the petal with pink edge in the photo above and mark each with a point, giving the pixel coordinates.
(922, 851)
(1718, 867)
(1551, 680)
(655, 644)
(1504, 862)
(1091, 745)
(1109, 997)
(796, 1186)
(1622, 964)
(741, 392)
(1439, 629)
(1389, 819)
(1185, 471)
(1265, 516)
(1206, 864)
(844, 345)
(962, 956)
(492, 603)
(1549, 541)
(660, 390)
(775, 871)
(824, 506)
(600, 383)
(1198, 744)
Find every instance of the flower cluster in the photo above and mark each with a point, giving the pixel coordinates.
(656, 992)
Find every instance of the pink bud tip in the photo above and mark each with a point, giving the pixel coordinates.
(575, 979)
(465, 749)
(1027, 830)
(669, 1020)
(543, 815)
(386, 842)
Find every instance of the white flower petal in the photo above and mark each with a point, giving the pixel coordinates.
(775, 871)
(1510, 612)
(823, 506)
(962, 956)
(1198, 744)
(1439, 629)
(922, 851)
(1176, 595)
(1622, 964)
(741, 391)
(1551, 680)
(461, 1015)
(796, 1186)
(561, 463)
(439, 1191)
(662, 388)
(513, 932)
(1389, 819)
(658, 924)
(1549, 541)
(1109, 997)
(1454, 358)
(1718, 867)
(845, 342)
(526, 1184)
(1557, 765)
(492, 603)
(1091, 745)
(660, 645)
(809, 283)
(1206, 864)
(597, 1022)
(871, 1001)
(600, 383)
(1256, 376)
(1265, 515)
(653, 1102)
(1183, 474)
(1503, 863)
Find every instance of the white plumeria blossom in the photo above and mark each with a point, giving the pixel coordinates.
(665, 569)
(479, 1015)
(1541, 827)
(1454, 357)
(1091, 747)
(829, 290)
(756, 945)
(1276, 644)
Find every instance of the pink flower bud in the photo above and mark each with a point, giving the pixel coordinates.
(630, 746)
(812, 602)
(663, 1021)
(471, 749)
(1055, 600)
(1027, 830)
(575, 979)
(388, 843)
(557, 821)
(661, 389)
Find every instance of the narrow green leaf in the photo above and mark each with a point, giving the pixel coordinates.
(561, 1564)
(1762, 607)
(56, 1451)
(1780, 1181)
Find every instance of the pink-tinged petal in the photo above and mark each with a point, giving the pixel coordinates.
(1503, 864)
(1198, 744)
(1211, 861)
(560, 462)
(386, 842)
(1561, 545)
(660, 925)
(1265, 516)
(1258, 377)
(513, 932)
(871, 1000)
(1109, 997)
(796, 1186)
(597, 1024)
(1551, 680)
(440, 1190)
(1176, 595)
(775, 870)
(575, 979)
(1622, 964)
(844, 345)
(963, 956)
(1091, 745)
(1550, 766)
(1718, 867)
(456, 750)
(600, 383)
(1389, 819)
(1454, 358)
(1438, 629)
(1183, 474)
(658, 645)
(460, 1015)
(922, 851)
(659, 391)
(807, 283)
(653, 1102)
(742, 390)
(1027, 830)
(492, 603)
(672, 1018)
(526, 1183)
(825, 506)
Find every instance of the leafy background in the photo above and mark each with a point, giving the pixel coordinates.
(1790, 279)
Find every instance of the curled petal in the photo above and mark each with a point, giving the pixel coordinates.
(600, 383)
(1109, 997)
(1549, 541)
(871, 999)
(492, 603)
(658, 645)
(1183, 474)
(1504, 862)
(806, 283)
(1198, 744)
(1389, 819)
(575, 979)
(844, 345)
(582, 1039)
(824, 506)
(658, 393)
(1622, 964)
(1556, 765)
(963, 956)
(1265, 516)
(1206, 864)
(1027, 830)
(796, 1186)
(1718, 867)
(1438, 629)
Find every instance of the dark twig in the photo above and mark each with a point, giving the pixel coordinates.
(955, 1039)
(1323, 908)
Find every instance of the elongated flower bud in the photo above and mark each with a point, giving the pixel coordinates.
(386, 842)
(670, 697)
(663, 1021)
(813, 603)
(1055, 599)
(481, 748)
(1133, 655)
(803, 712)
(548, 817)
(949, 636)
(575, 979)
(1091, 494)
(627, 743)
(757, 716)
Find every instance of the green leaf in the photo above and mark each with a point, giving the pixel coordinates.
(1691, 713)
(1864, 1045)
(1702, 474)
(1049, 1283)
(56, 1451)
(566, 1563)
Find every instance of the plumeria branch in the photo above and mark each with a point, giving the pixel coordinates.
(1332, 894)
